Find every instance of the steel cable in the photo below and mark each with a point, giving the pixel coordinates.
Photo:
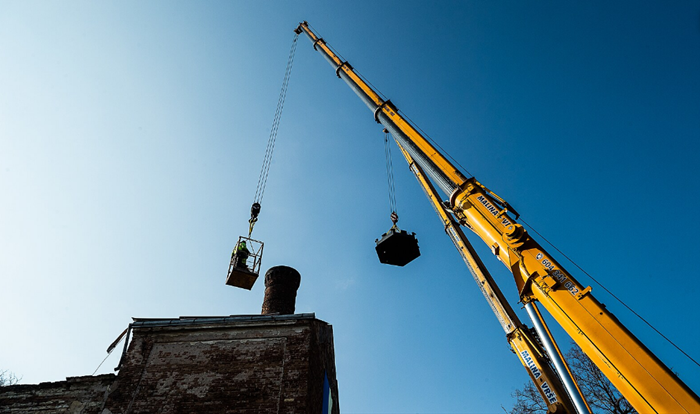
(267, 161)
(390, 174)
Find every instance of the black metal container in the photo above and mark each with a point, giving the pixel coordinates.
(397, 247)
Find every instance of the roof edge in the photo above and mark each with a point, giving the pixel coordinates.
(204, 320)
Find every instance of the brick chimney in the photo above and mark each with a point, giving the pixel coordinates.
(281, 284)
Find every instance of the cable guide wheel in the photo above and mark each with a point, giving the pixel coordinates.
(245, 263)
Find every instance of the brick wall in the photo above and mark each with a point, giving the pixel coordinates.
(82, 395)
(238, 364)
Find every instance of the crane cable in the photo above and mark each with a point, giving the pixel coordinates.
(390, 178)
(264, 171)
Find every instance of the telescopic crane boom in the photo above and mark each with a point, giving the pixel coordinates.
(636, 372)
(522, 341)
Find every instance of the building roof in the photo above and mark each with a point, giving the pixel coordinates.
(208, 320)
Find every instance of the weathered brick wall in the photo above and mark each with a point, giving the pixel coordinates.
(83, 395)
(245, 365)
(322, 362)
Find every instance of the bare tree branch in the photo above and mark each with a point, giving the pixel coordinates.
(8, 378)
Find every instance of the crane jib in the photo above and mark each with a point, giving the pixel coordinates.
(425, 156)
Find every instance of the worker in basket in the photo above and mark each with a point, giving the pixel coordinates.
(241, 253)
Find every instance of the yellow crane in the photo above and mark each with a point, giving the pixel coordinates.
(636, 372)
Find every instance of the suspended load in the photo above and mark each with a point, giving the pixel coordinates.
(396, 247)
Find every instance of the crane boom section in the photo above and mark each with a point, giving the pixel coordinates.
(386, 113)
(521, 340)
(499, 305)
(636, 372)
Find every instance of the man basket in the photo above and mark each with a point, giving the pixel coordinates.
(245, 263)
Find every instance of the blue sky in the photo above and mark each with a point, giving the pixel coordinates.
(132, 135)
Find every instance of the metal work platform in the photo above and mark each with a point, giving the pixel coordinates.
(244, 268)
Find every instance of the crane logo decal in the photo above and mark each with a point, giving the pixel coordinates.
(493, 210)
(530, 364)
(551, 396)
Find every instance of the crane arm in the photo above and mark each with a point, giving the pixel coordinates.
(520, 338)
(648, 385)
(436, 165)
